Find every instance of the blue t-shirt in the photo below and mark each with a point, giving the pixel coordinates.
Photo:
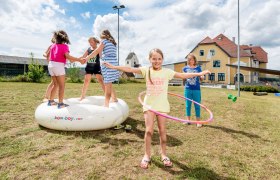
(192, 83)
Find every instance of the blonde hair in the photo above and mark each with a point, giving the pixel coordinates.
(107, 35)
(94, 39)
(150, 56)
(194, 58)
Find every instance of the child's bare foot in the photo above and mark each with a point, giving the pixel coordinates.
(45, 99)
(107, 106)
(113, 100)
(81, 98)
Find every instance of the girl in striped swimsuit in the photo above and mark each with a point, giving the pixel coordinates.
(108, 49)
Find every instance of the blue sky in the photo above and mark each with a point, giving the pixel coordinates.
(175, 26)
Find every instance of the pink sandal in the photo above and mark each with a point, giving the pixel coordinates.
(166, 162)
(145, 163)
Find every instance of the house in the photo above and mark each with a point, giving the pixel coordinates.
(14, 65)
(132, 61)
(214, 55)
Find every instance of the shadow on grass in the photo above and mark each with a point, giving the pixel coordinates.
(171, 141)
(232, 131)
(185, 172)
(105, 136)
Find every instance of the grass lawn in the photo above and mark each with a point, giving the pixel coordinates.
(242, 142)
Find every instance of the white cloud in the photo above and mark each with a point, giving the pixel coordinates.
(86, 15)
(27, 26)
(78, 1)
(177, 26)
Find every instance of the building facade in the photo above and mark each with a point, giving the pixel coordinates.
(132, 61)
(215, 54)
(14, 65)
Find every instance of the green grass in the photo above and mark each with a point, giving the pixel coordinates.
(241, 143)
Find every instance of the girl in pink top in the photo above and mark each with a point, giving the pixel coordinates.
(59, 52)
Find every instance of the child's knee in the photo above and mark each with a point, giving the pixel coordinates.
(149, 132)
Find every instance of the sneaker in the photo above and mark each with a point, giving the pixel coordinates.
(198, 125)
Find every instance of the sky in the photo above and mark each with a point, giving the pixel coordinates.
(174, 26)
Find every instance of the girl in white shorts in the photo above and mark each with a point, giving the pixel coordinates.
(59, 52)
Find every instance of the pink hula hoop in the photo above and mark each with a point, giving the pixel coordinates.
(175, 118)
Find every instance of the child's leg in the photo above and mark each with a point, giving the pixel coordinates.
(163, 139)
(61, 86)
(108, 91)
(114, 95)
(197, 98)
(100, 80)
(149, 123)
(55, 87)
(85, 86)
(188, 94)
(162, 132)
(49, 90)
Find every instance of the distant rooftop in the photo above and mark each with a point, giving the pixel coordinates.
(21, 60)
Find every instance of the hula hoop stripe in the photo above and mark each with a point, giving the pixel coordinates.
(175, 118)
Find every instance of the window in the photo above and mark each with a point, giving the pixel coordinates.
(216, 63)
(212, 77)
(221, 77)
(212, 52)
(127, 62)
(201, 52)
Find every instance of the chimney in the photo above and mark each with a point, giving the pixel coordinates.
(233, 39)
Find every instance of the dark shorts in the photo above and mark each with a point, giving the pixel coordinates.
(93, 68)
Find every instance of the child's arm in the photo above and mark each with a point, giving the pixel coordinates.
(123, 68)
(190, 75)
(72, 59)
(47, 53)
(95, 52)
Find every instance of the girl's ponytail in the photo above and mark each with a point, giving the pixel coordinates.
(149, 76)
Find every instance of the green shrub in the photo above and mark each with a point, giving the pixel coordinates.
(35, 71)
(93, 80)
(122, 81)
(269, 89)
(74, 74)
(133, 81)
(21, 78)
(18, 78)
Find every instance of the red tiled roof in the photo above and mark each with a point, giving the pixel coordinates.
(260, 54)
(230, 48)
(206, 40)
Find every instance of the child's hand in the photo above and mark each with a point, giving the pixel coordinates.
(108, 65)
(205, 72)
(82, 60)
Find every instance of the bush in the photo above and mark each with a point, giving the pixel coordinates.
(122, 81)
(93, 80)
(74, 74)
(18, 78)
(21, 78)
(35, 72)
(269, 89)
